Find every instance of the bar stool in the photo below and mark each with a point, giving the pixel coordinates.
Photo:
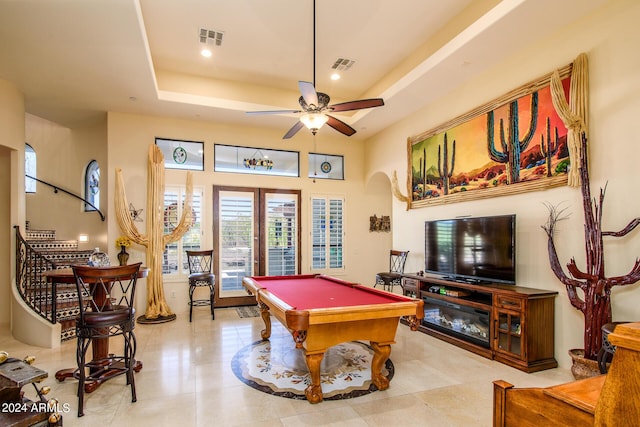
(200, 275)
(105, 297)
(605, 355)
(393, 277)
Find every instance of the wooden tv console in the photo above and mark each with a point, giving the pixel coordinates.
(519, 329)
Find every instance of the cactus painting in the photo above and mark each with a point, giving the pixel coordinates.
(497, 149)
(512, 145)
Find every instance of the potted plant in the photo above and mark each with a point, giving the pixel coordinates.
(123, 242)
(595, 301)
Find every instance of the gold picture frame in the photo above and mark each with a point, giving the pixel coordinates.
(479, 154)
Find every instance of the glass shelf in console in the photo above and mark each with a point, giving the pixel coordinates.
(509, 332)
(468, 323)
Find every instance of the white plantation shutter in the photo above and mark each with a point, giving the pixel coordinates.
(327, 233)
(174, 257)
(336, 233)
(236, 238)
(281, 236)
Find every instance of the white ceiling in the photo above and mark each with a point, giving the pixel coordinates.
(76, 59)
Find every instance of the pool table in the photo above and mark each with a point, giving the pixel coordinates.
(322, 311)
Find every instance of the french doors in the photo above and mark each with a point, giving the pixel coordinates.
(256, 232)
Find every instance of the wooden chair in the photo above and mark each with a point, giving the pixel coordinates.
(200, 275)
(106, 298)
(393, 277)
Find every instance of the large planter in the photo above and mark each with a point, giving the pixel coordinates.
(582, 367)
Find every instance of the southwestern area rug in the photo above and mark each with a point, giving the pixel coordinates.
(276, 367)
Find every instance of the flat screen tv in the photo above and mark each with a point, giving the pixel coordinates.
(473, 249)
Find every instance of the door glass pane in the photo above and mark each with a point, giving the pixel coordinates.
(236, 241)
(281, 235)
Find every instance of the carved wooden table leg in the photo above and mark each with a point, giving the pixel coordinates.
(381, 353)
(266, 317)
(314, 390)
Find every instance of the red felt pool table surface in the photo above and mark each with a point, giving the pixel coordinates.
(310, 292)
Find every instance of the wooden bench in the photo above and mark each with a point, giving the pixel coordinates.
(605, 400)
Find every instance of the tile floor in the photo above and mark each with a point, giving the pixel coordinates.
(187, 381)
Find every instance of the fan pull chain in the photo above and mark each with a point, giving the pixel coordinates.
(315, 158)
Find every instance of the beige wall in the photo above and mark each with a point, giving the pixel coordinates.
(62, 157)
(610, 39)
(131, 135)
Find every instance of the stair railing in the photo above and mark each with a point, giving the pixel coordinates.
(33, 287)
(56, 189)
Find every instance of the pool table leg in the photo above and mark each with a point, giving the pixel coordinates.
(266, 317)
(314, 390)
(381, 353)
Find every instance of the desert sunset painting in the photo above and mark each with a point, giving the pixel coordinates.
(520, 141)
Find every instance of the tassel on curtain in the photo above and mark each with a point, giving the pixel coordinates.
(574, 114)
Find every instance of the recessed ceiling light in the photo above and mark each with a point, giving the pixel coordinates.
(206, 53)
(335, 76)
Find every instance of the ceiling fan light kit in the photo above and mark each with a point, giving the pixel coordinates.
(315, 105)
(314, 121)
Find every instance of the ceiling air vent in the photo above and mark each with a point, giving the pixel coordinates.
(342, 64)
(211, 37)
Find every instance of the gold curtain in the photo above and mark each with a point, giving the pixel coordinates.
(574, 114)
(154, 239)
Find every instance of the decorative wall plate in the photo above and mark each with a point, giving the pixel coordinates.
(325, 167)
(179, 155)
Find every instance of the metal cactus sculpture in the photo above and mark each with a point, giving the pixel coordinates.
(595, 302)
(551, 147)
(443, 164)
(154, 239)
(512, 145)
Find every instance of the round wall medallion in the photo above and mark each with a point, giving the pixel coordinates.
(180, 155)
(325, 167)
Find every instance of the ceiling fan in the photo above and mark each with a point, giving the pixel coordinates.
(315, 105)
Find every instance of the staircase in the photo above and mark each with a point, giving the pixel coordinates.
(41, 251)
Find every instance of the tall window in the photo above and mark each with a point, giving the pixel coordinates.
(174, 257)
(92, 186)
(327, 233)
(29, 169)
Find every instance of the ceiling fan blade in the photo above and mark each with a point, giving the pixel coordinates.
(294, 129)
(273, 112)
(340, 126)
(357, 105)
(308, 93)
